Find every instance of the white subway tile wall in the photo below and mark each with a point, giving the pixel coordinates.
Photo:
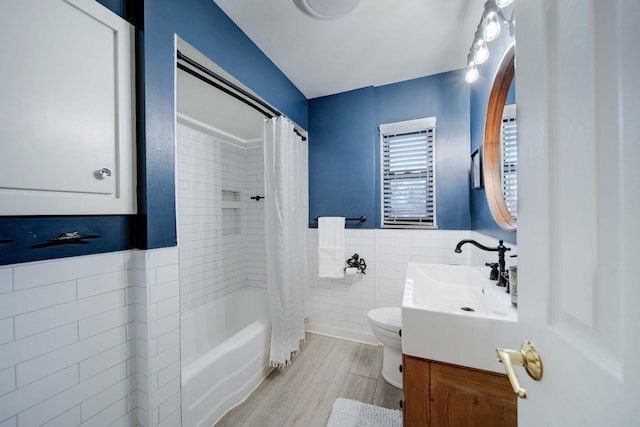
(253, 217)
(67, 342)
(155, 277)
(220, 229)
(339, 307)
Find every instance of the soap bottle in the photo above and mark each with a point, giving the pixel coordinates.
(513, 284)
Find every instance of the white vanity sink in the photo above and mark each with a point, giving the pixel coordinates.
(437, 318)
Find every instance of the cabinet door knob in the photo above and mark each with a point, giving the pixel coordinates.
(400, 368)
(103, 173)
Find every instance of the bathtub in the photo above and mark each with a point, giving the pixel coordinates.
(225, 354)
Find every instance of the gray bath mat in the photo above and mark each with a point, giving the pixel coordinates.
(351, 413)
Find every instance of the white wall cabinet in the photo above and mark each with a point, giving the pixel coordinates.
(66, 109)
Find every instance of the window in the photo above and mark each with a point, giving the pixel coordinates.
(408, 173)
(509, 146)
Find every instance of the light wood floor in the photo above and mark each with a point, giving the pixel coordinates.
(303, 393)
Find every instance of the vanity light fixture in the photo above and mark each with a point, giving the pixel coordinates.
(481, 52)
(503, 3)
(488, 30)
(472, 70)
(490, 26)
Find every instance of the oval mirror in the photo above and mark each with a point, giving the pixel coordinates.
(500, 147)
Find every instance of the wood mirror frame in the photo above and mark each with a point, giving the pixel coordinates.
(492, 152)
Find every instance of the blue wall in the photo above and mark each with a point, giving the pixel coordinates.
(481, 218)
(344, 147)
(342, 157)
(202, 24)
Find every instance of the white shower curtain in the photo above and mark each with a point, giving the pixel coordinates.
(286, 216)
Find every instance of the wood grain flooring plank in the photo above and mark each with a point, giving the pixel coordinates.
(314, 406)
(290, 383)
(387, 395)
(238, 415)
(368, 361)
(303, 393)
(358, 388)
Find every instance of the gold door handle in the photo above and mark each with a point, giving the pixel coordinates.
(528, 357)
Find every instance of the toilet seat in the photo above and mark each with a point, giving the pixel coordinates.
(388, 318)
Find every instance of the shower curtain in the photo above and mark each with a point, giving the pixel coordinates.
(286, 216)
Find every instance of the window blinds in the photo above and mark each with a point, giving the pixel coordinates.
(509, 139)
(408, 178)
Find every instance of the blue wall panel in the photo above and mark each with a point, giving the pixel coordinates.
(445, 96)
(344, 148)
(342, 168)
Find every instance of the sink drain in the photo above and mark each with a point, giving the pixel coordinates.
(466, 309)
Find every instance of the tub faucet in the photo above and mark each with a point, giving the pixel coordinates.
(501, 249)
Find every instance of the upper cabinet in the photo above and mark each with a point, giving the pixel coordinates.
(67, 111)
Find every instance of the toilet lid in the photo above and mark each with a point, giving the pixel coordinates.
(389, 318)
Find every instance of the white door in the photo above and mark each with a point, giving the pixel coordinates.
(578, 89)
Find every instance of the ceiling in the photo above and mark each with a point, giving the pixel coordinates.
(379, 42)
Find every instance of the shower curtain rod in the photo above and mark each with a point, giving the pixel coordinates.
(235, 91)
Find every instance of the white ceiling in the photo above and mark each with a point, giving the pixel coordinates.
(379, 42)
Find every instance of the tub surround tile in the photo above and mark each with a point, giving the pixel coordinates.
(214, 263)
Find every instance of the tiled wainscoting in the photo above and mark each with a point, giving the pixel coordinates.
(91, 341)
(339, 306)
(95, 340)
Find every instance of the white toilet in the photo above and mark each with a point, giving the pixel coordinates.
(385, 323)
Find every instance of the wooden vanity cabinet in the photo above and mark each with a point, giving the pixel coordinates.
(442, 395)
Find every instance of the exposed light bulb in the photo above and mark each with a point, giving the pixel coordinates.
(472, 73)
(481, 52)
(503, 3)
(491, 26)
